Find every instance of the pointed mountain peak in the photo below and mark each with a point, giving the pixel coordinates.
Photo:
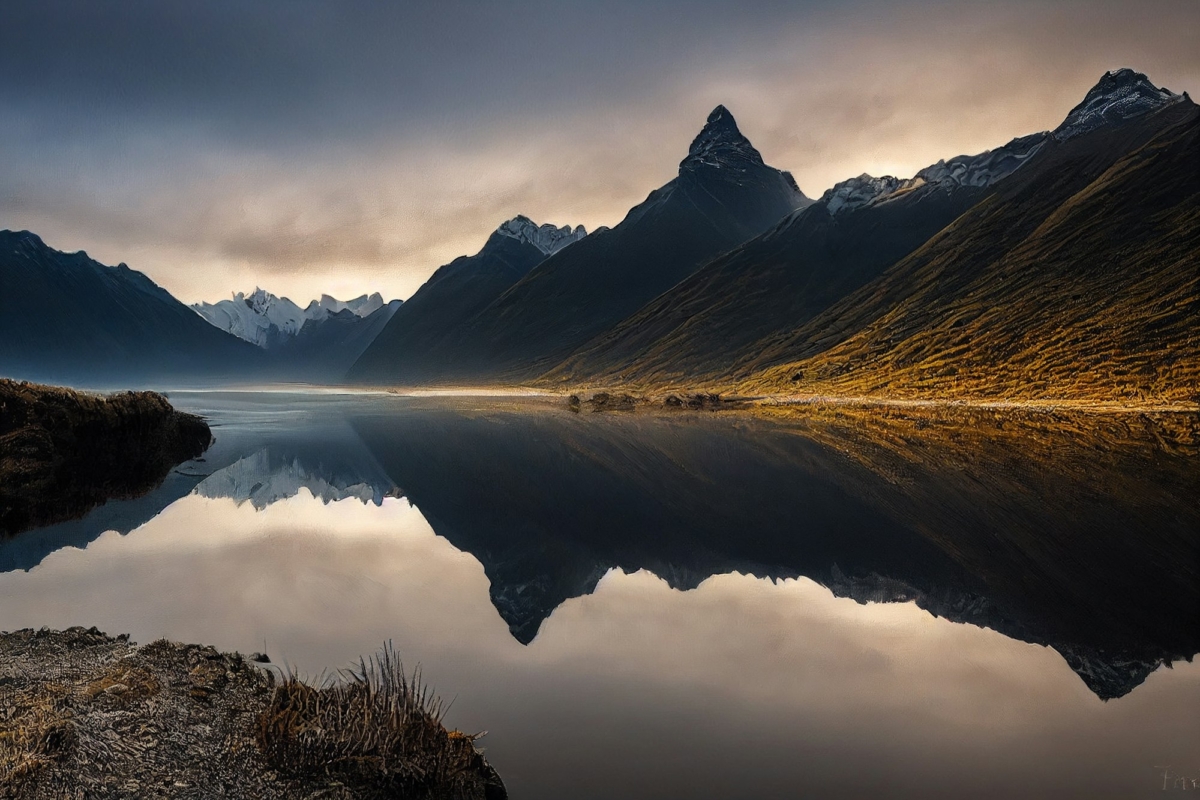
(1119, 95)
(720, 117)
(720, 143)
(546, 238)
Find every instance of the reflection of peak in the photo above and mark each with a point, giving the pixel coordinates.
(268, 476)
(1113, 674)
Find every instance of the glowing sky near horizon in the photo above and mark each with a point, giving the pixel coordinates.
(318, 147)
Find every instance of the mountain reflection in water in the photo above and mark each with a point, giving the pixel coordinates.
(1074, 531)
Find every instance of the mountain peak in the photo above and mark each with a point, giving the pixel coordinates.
(856, 192)
(546, 238)
(720, 143)
(1120, 94)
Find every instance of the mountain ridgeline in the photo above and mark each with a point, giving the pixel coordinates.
(1061, 265)
(1064, 264)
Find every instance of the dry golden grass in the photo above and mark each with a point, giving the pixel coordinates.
(375, 727)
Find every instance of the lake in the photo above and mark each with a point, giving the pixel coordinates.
(825, 603)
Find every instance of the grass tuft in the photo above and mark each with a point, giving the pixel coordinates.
(375, 727)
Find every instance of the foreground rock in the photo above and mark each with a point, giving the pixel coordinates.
(86, 715)
(63, 452)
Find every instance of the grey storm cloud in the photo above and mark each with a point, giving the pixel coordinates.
(313, 146)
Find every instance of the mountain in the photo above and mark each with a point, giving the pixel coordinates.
(325, 348)
(362, 306)
(263, 319)
(317, 343)
(1078, 278)
(406, 349)
(721, 314)
(69, 319)
(723, 195)
(546, 238)
(260, 318)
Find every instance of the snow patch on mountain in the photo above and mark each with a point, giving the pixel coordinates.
(546, 238)
(858, 192)
(985, 168)
(361, 306)
(1121, 94)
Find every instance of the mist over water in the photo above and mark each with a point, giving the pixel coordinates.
(713, 605)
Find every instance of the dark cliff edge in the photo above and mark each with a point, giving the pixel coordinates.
(85, 714)
(64, 452)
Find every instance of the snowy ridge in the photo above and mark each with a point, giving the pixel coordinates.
(980, 170)
(858, 192)
(264, 319)
(987, 167)
(546, 238)
(1121, 94)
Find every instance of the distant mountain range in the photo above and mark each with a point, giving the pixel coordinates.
(317, 343)
(263, 319)
(1064, 264)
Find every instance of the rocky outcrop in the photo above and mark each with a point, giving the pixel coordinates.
(64, 452)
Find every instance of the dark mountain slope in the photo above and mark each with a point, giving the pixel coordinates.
(723, 195)
(1079, 279)
(67, 318)
(324, 349)
(407, 349)
(714, 318)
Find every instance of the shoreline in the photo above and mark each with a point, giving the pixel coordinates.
(64, 452)
(84, 711)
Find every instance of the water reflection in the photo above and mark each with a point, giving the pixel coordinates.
(297, 535)
(637, 690)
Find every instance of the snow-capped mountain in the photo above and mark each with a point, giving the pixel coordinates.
(546, 238)
(266, 320)
(1121, 94)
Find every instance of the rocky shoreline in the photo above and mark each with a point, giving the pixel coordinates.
(83, 714)
(63, 452)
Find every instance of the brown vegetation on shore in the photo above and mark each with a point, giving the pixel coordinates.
(84, 714)
(63, 452)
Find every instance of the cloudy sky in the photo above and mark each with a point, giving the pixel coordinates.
(311, 146)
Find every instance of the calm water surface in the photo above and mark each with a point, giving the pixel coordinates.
(688, 606)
